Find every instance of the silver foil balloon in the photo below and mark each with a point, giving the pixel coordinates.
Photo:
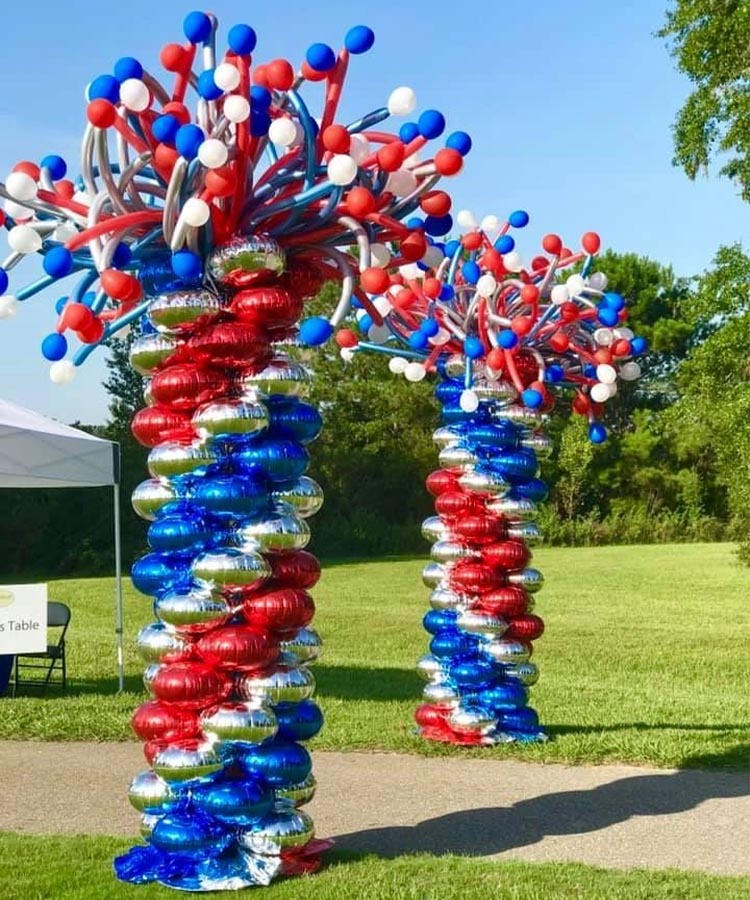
(519, 415)
(445, 436)
(298, 794)
(506, 651)
(148, 396)
(456, 457)
(453, 551)
(281, 377)
(501, 391)
(539, 442)
(304, 648)
(149, 351)
(170, 458)
(170, 313)
(275, 532)
(434, 529)
(156, 641)
(528, 532)
(230, 568)
(150, 496)
(241, 257)
(288, 684)
(180, 764)
(441, 693)
(433, 574)
(527, 673)
(520, 510)
(304, 495)
(284, 828)
(150, 794)
(231, 417)
(251, 723)
(480, 623)
(530, 579)
(148, 823)
(191, 610)
(430, 668)
(483, 482)
(149, 673)
(471, 720)
(444, 598)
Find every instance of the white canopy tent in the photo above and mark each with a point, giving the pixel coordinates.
(36, 452)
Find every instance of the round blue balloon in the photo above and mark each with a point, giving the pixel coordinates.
(518, 219)
(460, 141)
(532, 398)
(437, 226)
(554, 373)
(613, 301)
(197, 27)
(277, 763)
(535, 490)
(56, 166)
(4, 281)
(418, 340)
(607, 316)
(639, 345)
(359, 39)
(504, 244)
(507, 339)
(207, 87)
(58, 262)
(165, 128)
(127, 67)
(431, 124)
(430, 327)
(187, 265)
(260, 98)
(437, 620)
(154, 573)
(122, 256)
(315, 331)
(294, 420)
(365, 323)
(238, 495)
(105, 87)
(473, 347)
(260, 122)
(188, 140)
(597, 433)
(190, 836)
(320, 57)
(237, 803)
(471, 272)
(298, 721)
(242, 39)
(408, 131)
(274, 459)
(54, 347)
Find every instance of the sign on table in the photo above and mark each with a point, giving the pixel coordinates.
(23, 618)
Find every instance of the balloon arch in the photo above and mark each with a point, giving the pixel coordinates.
(207, 226)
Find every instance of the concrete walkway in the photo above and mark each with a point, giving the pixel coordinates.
(391, 804)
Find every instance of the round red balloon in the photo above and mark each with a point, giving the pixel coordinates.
(443, 480)
(154, 424)
(525, 628)
(430, 716)
(159, 721)
(505, 602)
(238, 647)
(297, 569)
(506, 554)
(184, 387)
(286, 609)
(270, 305)
(474, 578)
(458, 503)
(193, 684)
(478, 529)
(232, 344)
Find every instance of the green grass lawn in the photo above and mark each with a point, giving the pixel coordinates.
(644, 659)
(78, 868)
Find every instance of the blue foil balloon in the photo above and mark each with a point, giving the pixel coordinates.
(437, 620)
(472, 672)
(504, 695)
(294, 421)
(234, 802)
(190, 836)
(452, 643)
(522, 719)
(535, 490)
(277, 460)
(298, 721)
(239, 495)
(278, 763)
(155, 572)
(179, 533)
(516, 465)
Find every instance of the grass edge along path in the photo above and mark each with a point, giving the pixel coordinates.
(642, 661)
(80, 868)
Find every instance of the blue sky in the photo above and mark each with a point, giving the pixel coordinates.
(569, 105)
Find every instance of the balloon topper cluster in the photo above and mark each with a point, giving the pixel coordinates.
(472, 305)
(164, 189)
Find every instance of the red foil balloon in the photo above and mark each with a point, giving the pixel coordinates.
(238, 647)
(506, 554)
(185, 387)
(443, 480)
(155, 424)
(271, 306)
(478, 529)
(474, 578)
(193, 684)
(232, 344)
(296, 569)
(429, 715)
(284, 610)
(506, 602)
(159, 721)
(452, 504)
(525, 628)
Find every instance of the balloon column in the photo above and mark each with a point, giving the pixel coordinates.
(207, 226)
(504, 338)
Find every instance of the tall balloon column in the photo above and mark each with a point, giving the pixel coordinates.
(207, 230)
(503, 338)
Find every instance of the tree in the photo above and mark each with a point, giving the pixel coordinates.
(710, 40)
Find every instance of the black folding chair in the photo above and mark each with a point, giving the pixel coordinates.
(58, 616)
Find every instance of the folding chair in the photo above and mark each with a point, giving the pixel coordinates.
(58, 616)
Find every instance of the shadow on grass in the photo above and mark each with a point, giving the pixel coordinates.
(491, 830)
(353, 683)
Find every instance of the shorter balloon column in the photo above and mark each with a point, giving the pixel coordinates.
(228, 657)
(483, 589)
(507, 338)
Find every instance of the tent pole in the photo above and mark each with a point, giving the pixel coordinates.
(119, 629)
